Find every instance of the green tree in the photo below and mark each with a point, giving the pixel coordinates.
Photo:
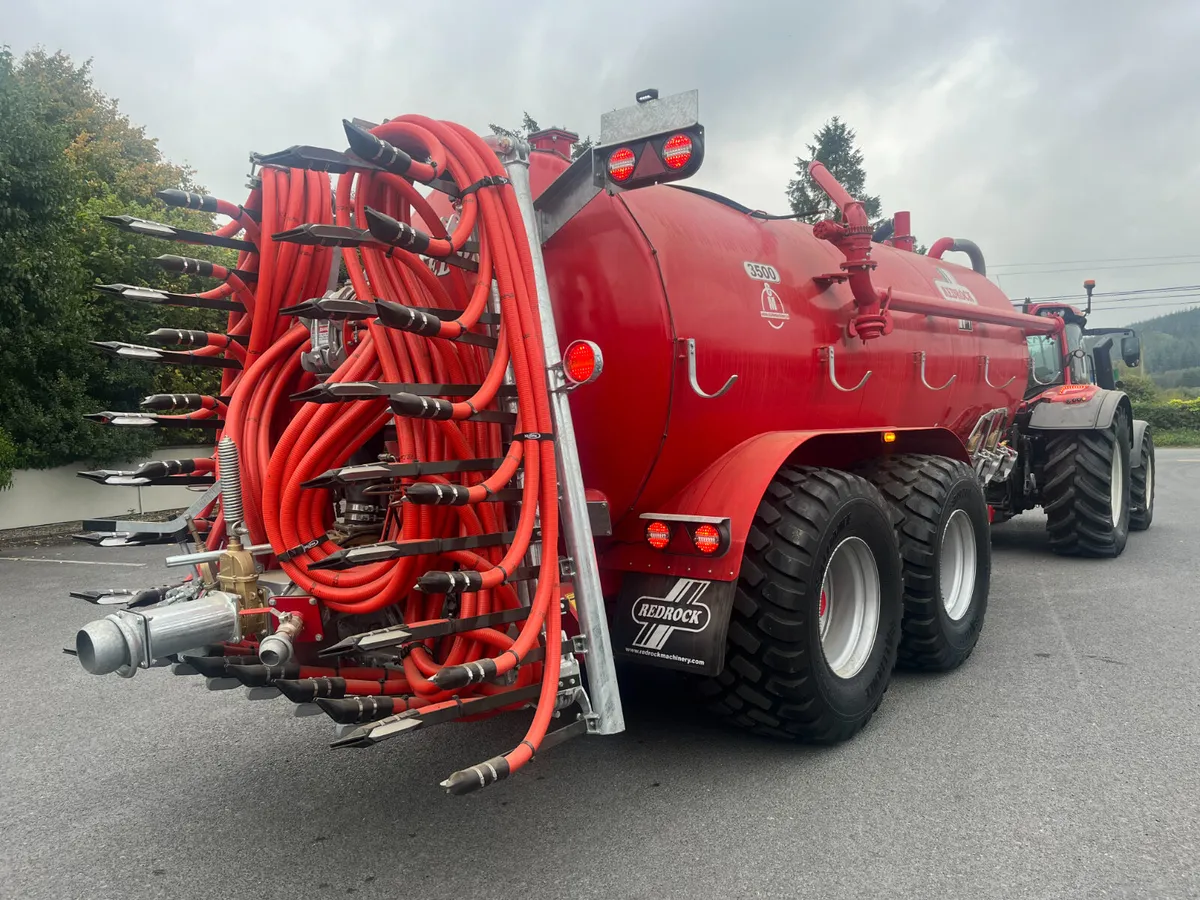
(530, 126)
(835, 147)
(67, 156)
(8, 459)
(1139, 386)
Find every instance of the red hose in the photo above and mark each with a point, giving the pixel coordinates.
(283, 444)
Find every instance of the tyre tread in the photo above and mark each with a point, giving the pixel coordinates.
(1076, 494)
(1141, 507)
(917, 486)
(775, 693)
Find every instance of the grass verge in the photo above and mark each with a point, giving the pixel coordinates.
(1177, 437)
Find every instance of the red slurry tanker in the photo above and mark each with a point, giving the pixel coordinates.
(491, 422)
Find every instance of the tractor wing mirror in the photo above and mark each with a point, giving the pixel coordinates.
(1131, 350)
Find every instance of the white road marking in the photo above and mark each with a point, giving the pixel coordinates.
(71, 562)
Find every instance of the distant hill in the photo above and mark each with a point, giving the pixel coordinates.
(1171, 348)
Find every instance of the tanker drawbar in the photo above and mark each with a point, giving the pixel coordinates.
(488, 421)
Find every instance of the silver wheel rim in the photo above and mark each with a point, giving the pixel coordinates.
(1149, 498)
(1117, 496)
(957, 570)
(848, 608)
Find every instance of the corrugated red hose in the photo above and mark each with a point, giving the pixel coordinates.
(284, 444)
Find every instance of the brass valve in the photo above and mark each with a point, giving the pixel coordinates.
(237, 574)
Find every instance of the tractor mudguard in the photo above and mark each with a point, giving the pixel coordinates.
(673, 610)
(1088, 408)
(1139, 431)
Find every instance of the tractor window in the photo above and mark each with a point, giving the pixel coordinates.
(1045, 359)
(1081, 369)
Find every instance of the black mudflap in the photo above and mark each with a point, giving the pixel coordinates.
(673, 623)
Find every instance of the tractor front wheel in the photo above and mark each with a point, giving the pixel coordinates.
(1141, 487)
(816, 619)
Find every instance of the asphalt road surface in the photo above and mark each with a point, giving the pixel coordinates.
(1063, 760)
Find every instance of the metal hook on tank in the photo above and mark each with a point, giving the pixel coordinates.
(986, 362)
(691, 367)
(919, 358)
(826, 355)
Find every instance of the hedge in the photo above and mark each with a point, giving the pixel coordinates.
(1169, 415)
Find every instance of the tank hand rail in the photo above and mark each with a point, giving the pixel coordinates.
(986, 363)
(826, 355)
(1038, 381)
(691, 365)
(919, 358)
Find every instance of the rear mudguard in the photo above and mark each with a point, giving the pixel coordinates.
(1089, 408)
(673, 610)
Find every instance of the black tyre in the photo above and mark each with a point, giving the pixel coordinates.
(1141, 487)
(816, 619)
(942, 526)
(1086, 490)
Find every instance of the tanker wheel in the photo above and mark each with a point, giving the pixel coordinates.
(1086, 491)
(942, 526)
(1141, 488)
(816, 620)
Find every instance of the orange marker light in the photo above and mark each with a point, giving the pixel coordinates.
(889, 437)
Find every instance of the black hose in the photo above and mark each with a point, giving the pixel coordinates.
(962, 245)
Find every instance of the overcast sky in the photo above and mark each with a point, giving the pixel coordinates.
(1048, 132)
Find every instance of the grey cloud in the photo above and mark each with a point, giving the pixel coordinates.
(1043, 131)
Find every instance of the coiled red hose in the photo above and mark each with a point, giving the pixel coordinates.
(284, 444)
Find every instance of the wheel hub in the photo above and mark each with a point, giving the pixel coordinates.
(1116, 495)
(848, 608)
(1149, 483)
(957, 570)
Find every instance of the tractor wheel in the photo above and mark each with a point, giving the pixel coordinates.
(816, 619)
(942, 526)
(1086, 490)
(1141, 488)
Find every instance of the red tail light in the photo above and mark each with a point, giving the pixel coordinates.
(687, 535)
(707, 539)
(620, 164)
(677, 151)
(582, 362)
(658, 535)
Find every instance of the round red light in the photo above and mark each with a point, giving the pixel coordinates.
(677, 151)
(706, 538)
(620, 164)
(580, 362)
(658, 535)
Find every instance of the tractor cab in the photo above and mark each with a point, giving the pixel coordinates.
(1088, 353)
(1052, 356)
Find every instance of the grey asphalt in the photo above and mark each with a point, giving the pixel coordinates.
(1063, 760)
